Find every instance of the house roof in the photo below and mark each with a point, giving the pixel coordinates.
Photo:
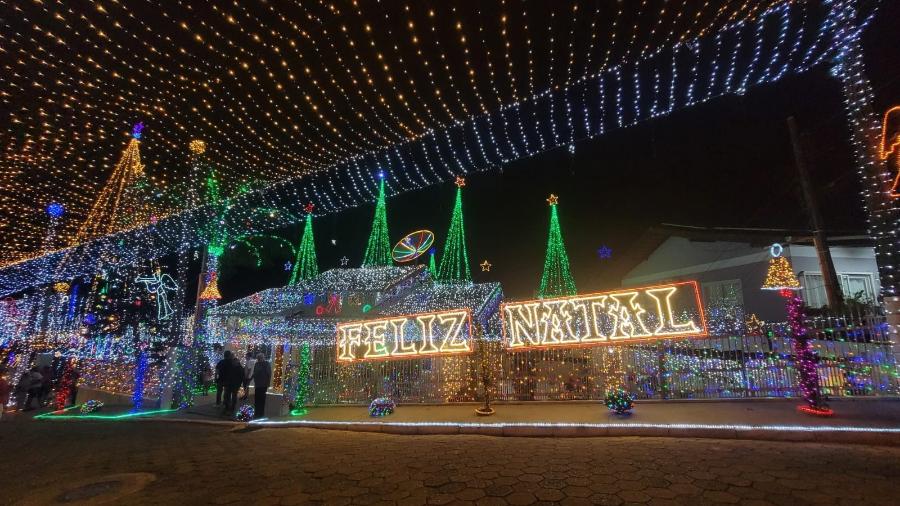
(655, 236)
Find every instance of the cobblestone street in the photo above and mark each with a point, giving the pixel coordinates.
(200, 464)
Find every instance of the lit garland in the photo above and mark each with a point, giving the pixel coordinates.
(556, 279)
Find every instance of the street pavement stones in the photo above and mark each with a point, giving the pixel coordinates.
(199, 464)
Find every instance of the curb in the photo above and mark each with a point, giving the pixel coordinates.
(798, 433)
(876, 436)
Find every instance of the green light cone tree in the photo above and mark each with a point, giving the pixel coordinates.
(556, 280)
(432, 266)
(305, 265)
(378, 250)
(454, 264)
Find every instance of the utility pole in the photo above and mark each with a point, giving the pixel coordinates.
(826, 264)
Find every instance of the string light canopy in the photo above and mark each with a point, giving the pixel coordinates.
(309, 102)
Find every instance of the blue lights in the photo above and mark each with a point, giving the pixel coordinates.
(55, 210)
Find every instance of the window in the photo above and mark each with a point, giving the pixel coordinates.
(859, 286)
(726, 293)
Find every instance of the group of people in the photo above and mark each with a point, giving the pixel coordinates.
(34, 387)
(231, 375)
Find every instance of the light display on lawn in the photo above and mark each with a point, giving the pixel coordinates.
(429, 334)
(604, 318)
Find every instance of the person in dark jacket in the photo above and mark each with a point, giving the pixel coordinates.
(221, 367)
(262, 376)
(234, 378)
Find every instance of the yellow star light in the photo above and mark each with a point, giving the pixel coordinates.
(485, 266)
(460, 181)
(553, 200)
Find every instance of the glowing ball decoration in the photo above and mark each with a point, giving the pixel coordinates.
(412, 246)
(382, 406)
(620, 402)
(55, 210)
(197, 147)
(91, 406)
(245, 413)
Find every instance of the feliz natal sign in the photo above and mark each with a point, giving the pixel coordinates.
(403, 337)
(636, 314)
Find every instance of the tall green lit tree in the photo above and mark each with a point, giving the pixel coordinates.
(557, 279)
(432, 266)
(378, 250)
(454, 264)
(305, 265)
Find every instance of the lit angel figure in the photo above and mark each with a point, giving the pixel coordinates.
(160, 285)
(890, 144)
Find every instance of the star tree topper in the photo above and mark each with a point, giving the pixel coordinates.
(309, 208)
(552, 199)
(460, 181)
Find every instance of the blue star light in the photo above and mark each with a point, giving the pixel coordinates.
(604, 252)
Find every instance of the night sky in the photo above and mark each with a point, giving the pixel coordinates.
(724, 163)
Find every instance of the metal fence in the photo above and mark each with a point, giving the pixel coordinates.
(855, 359)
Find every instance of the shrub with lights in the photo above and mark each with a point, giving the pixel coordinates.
(245, 413)
(620, 402)
(382, 406)
(91, 406)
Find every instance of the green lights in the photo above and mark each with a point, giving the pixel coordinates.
(60, 415)
(378, 250)
(305, 265)
(556, 280)
(302, 379)
(454, 264)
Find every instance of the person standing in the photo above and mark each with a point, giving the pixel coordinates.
(46, 386)
(221, 370)
(4, 392)
(248, 375)
(234, 378)
(262, 376)
(34, 382)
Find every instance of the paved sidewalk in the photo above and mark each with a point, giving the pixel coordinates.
(47, 463)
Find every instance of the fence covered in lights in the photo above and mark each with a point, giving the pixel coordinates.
(370, 344)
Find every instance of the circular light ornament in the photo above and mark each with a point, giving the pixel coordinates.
(55, 210)
(776, 250)
(412, 246)
(197, 147)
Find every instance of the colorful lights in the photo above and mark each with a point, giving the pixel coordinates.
(211, 290)
(404, 337)
(412, 246)
(603, 318)
(780, 275)
(382, 406)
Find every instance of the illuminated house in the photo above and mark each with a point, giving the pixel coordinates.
(731, 263)
(280, 321)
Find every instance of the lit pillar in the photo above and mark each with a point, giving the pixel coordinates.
(876, 178)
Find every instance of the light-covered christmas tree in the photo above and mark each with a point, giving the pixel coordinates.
(378, 249)
(454, 266)
(305, 264)
(556, 280)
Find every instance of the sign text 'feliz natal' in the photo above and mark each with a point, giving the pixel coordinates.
(403, 337)
(634, 314)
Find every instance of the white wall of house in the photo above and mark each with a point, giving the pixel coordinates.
(732, 272)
